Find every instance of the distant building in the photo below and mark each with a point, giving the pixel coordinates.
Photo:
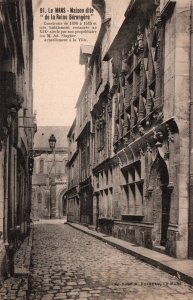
(49, 181)
(72, 194)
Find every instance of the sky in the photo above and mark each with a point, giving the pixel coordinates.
(57, 74)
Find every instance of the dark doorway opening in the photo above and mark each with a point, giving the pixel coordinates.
(166, 199)
(165, 214)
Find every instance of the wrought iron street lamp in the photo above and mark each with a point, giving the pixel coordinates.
(52, 142)
(38, 152)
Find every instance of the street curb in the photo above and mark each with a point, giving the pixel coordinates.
(24, 271)
(27, 261)
(116, 244)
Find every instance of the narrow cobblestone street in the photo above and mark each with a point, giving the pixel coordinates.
(68, 264)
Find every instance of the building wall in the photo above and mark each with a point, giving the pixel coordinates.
(15, 139)
(72, 194)
(139, 128)
(83, 157)
(150, 129)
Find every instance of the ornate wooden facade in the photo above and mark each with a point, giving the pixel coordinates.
(140, 142)
(138, 75)
(136, 187)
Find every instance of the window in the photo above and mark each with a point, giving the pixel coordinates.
(133, 187)
(101, 128)
(41, 166)
(39, 197)
(85, 103)
(72, 174)
(107, 177)
(97, 181)
(83, 163)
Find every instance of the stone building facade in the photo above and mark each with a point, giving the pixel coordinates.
(141, 124)
(80, 138)
(72, 193)
(16, 126)
(49, 181)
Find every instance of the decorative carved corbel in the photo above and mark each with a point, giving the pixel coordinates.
(119, 143)
(97, 124)
(132, 135)
(170, 136)
(149, 149)
(154, 135)
(158, 16)
(120, 164)
(132, 48)
(125, 66)
(6, 120)
(148, 122)
(125, 140)
(3, 135)
(109, 107)
(150, 190)
(11, 112)
(122, 79)
(115, 148)
(158, 116)
(115, 80)
(141, 130)
(140, 43)
(171, 187)
(141, 152)
(156, 2)
(158, 137)
(166, 155)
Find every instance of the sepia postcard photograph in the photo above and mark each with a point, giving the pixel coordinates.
(96, 149)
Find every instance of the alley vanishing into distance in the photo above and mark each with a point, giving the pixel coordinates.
(69, 264)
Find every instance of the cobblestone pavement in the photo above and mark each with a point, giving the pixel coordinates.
(14, 289)
(68, 264)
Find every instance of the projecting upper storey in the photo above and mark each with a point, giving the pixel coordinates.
(149, 75)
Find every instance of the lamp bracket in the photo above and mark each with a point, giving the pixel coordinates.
(35, 153)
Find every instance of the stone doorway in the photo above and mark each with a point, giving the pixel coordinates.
(161, 198)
